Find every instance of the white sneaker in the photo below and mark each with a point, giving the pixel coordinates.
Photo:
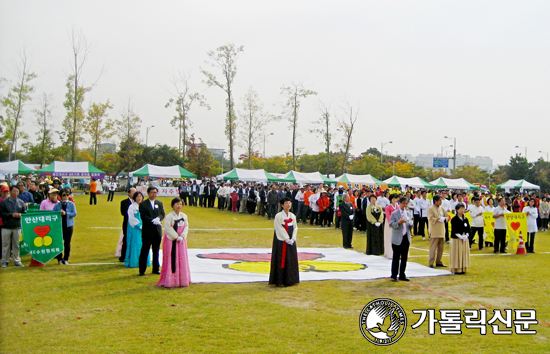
(423, 239)
(4, 265)
(19, 265)
(65, 262)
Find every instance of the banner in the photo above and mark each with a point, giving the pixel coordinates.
(356, 186)
(162, 191)
(489, 226)
(42, 233)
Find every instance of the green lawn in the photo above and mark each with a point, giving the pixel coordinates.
(109, 309)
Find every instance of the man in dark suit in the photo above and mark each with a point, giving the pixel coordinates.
(401, 222)
(347, 211)
(124, 205)
(152, 212)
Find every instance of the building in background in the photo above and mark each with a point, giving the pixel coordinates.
(426, 160)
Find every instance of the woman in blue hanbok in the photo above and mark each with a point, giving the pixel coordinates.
(133, 235)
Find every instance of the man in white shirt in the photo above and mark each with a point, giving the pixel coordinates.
(423, 204)
(476, 213)
(500, 226)
(314, 207)
(112, 189)
(301, 207)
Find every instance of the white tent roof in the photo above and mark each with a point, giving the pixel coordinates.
(453, 183)
(15, 167)
(302, 177)
(358, 179)
(518, 184)
(246, 175)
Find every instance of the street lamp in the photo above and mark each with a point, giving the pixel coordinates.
(523, 147)
(382, 149)
(542, 152)
(454, 151)
(443, 148)
(147, 134)
(10, 143)
(264, 141)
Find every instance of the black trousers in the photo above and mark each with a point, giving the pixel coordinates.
(422, 226)
(399, 261)
(93, 198)
(479, 231)
(500, 240)
(149, 241)
(193, 199)
(123, 250)
(271, 210)
(211, 201)
(221, 203)
(314, 218)
(416, 220)
(447, 231)
(347, 232)
(67, 236)
(530, 244)
(110, 196)
(202, 200)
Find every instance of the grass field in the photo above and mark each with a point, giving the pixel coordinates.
(108, 308)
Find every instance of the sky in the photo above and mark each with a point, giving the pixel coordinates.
(416, 71)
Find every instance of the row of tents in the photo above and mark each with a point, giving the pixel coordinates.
(86, 169)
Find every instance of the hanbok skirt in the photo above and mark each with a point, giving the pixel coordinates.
(388, 250)
(284, 272)
(133, 248)
(175, 264)
(375, 239)
(460, 255)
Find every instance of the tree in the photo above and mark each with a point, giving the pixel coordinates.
(368, 164)
(253, 121)
(182, 102)
(293, 93)
(519, 167)
(322, 129)
(76, 91)
(225, 58)
(472, 174)
(373, 151)
(98, 131)
(127, 128)
(200, 158)
(346, 125)
(160, 155)
(15, 101)
(45, 137)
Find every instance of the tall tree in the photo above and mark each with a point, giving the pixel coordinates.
(293, 94)
(182, 102)
(323, 130)
(519, 167)
(76, 90)
(225, 58)
(98, 130)
(45, 136)
(253, 120)
(200, 158)
(127, 128)
(346, 125)
(19, 94)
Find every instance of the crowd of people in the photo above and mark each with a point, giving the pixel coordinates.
(369, 210)
(389, 218)
(24, 192)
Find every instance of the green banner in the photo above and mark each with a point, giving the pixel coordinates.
(43, 234)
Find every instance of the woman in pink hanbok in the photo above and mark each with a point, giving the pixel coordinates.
(175, 264)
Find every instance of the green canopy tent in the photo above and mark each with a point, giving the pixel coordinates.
(16, 167)
(162, 172)
(457, 183)
(72, 170)
(349, 178)
(414, 182)
(517, 184)
(301, 177)
(239, 174)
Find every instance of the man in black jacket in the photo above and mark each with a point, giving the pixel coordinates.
(11, 209)
(346, 209)
(124, 205)
(152, 212)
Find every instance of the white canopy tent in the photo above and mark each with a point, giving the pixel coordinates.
(456, 183)
(239, 174)
(517, 184)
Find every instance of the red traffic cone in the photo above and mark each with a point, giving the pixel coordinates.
(521, 246)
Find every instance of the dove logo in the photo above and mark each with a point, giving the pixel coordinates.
(383, 322)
